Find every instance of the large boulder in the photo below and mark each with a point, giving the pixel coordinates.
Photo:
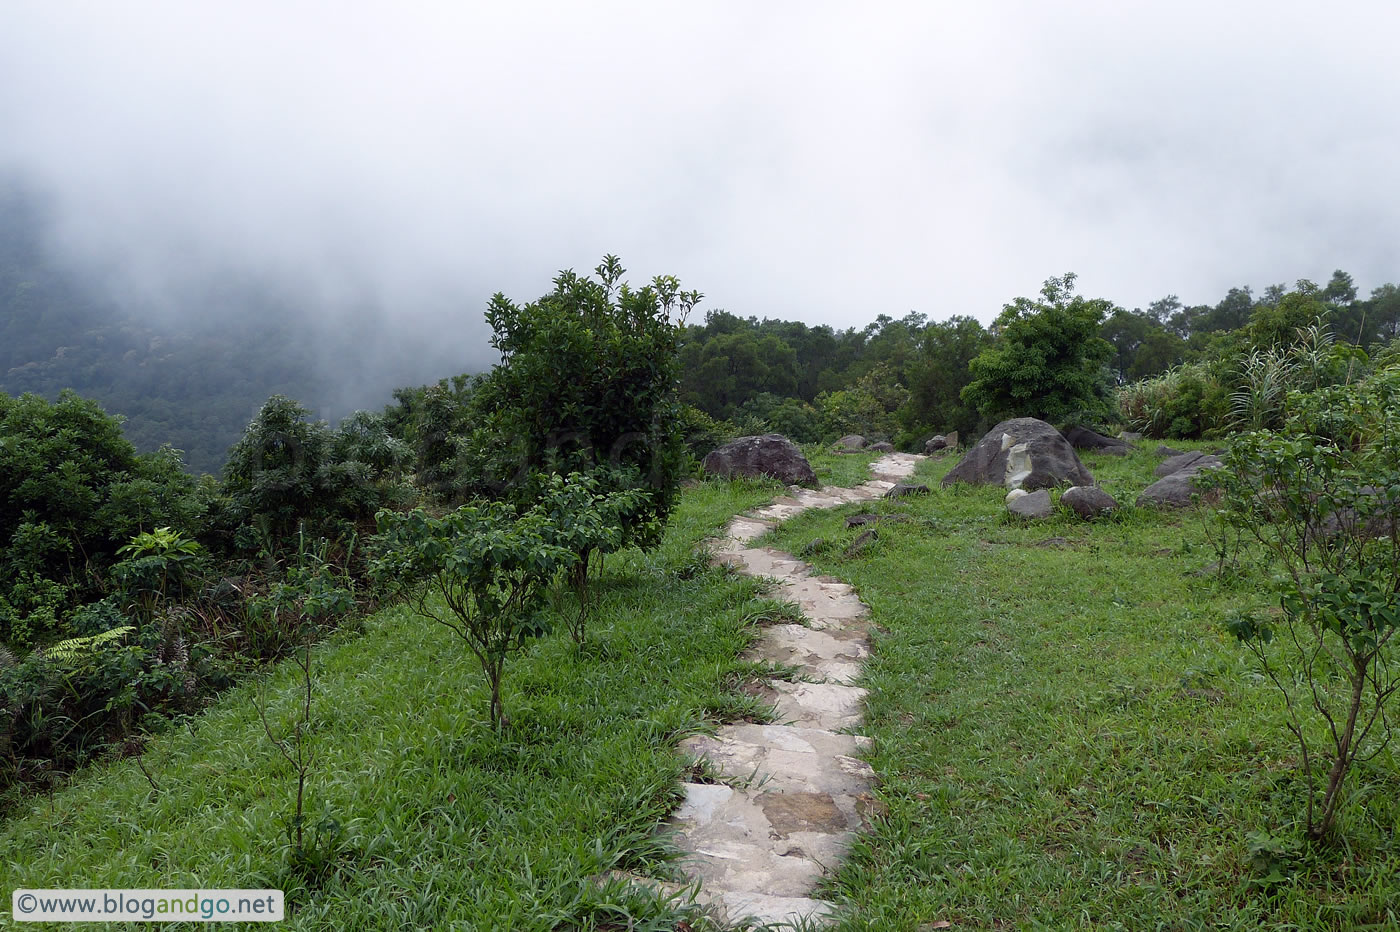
(1175, 489)
(1180, 461)
(850, 443)
(1088, 501)
(880, 446)
(1082, 438)
(1022, 453)
(769, 455)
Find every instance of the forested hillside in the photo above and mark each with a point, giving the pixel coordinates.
(193, 378)
(905, 377)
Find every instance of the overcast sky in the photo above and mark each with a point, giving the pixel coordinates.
(820, 161)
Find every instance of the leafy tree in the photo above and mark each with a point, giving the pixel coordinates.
(938, 376)
(72, 491)
(481, 571)
(288, 475)
(1282, 324)
(587, 380)
(1047, 361)
(1322, 497)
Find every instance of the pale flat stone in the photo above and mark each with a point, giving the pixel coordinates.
(818, 655)
(826, 602)
(786, 758)
(779, 844)
(746, 529)
(817, 705)
(737, 907)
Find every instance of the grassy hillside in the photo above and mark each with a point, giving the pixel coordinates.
(1069, 739)
(444, 821)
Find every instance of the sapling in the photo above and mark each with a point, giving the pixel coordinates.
(480, 571)
(1322, 498)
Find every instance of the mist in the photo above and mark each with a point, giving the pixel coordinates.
(389, 167)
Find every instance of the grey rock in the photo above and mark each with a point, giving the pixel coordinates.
(881, 447)
(1165, 450)
(769, 455)
(851, 442)
(1023, 453)
(940, 443)
(1176, 489)
(1088, 501)
(1180, 461)
(862, 542)
(1082, 438)
(1034, 505)
(905, 489)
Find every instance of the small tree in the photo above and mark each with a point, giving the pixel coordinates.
(481, 571)
(584, 521)
(1322, 497)
(588, 379)
(1047, 360)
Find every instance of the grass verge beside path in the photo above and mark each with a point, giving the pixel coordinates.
(1068, 739)
(445, 824)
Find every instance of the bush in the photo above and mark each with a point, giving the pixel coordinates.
(288, 476)
(72, 491)
(1322, 497)
(480, 571)
(1188, 401)
(587, 380)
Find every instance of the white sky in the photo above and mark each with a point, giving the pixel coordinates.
(819, 161)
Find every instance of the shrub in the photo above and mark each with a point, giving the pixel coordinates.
(588, 378)
(481, 571)
(1322, 497)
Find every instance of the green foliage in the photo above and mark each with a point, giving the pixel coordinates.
(72, 491)
(153, 561)
(287, 475)
(1189, 401)
(587, 380)
(481, 571)
(584, 520)
(938, 375)
(1279, 325)
(1048, 360)
(1322, 498)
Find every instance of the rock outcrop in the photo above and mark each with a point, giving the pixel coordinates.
(1082, 438)
(1179, 461)
(1022, 453)
(1175, 489)
(770, 455)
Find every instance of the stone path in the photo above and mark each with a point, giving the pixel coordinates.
(793, 795)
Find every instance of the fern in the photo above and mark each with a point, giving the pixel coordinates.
(74, 649)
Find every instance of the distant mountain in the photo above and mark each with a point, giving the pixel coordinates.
(191, 380)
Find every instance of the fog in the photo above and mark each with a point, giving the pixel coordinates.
(819, 161)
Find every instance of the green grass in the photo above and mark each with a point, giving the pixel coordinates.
(1068, 740)
(841, 469)
(1066, 736)
(446, 823)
